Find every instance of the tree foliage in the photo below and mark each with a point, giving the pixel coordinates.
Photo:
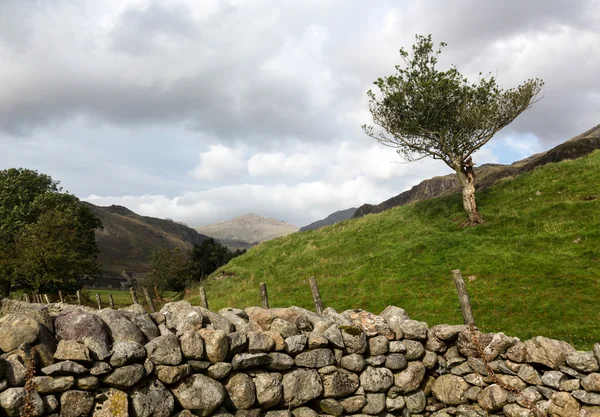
(426, 112)
(47, 237)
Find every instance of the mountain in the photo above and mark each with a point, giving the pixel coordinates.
(531, 268)
(338, 216)
(248, 229)
(488, 174)
(128, 239)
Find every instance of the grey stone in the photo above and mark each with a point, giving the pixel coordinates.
(529, 395)
(127, 352)
(396, 346)
(414, 330)
(241, 390)
(353, 362)
(16, 330)
(238, 317)
(513, 383)
(499, 344)
(100, 368)
(462, 369)
(396, 362)
(72, 350)
(217, 321)
(295, 344)
(571, 372)
(51, 385)
(545, 391)
(149, 367)
(563, 405)
(316, 340)
(339, 384)
(375, 404)
(284, 328)
(88, 383)
(529, 374)
(394, 404)
(121, 328)
(216, 344)
(181, 316)
(252, 412)
(378, 345)
(173, 374)
(434, 344)
(138, 316)
(12, 401)
(591, 382)
(125, 377)
(111, 402)
(99, 351)
(414, 350)
(395, 324)
(260, 342)
(301, 386)
(76, 403)
(448, 332)
(279, 361)
(409, 379)
(392, 311)
(65, 368)
(514, 410)
(238, 342)
(262, 317)
(252, 360)
(355, 340)
(200, 394)
(493, 398)
(219, 370)
(586, 397)
(548, 352)
(375, 360)
(415, 402)
(353, 404)
(583, 361)
(450, 389)
(430, 359)
(376, 379)
(552, 378)
(50, 403)
(15, 370)
(269, 389)
(164, 350)
(326, 370)
(304, 412)
(330, 407)
(192, 345)
(315, 358)
(334, 335)
(199, 366)
(277, 413)
(569, 385)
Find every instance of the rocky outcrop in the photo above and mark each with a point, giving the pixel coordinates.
(286, 362)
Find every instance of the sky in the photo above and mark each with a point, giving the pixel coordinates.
(201, 111)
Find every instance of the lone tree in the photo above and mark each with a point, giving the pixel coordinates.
(425, 112)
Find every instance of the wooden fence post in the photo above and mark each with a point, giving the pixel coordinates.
(78, 294)
(149, 299)
(99, 300)
(203, 298)
(316, 295)
(463, 297)
(26, 297)
(46, 298)
(133, 295)
(60, 297)
(111, 300)
(264, 295)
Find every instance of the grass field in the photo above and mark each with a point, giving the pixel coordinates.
(533, 266)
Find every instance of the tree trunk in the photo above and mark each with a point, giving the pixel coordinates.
(4, 288)
(466, 177)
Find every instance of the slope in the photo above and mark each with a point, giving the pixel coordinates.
(533, 265)
(128, 239)
(333, 218)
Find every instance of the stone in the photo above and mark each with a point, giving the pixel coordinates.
(591, 382)
(434, 344)
(378, 345)
(563, 405)
(170, 375)
(415, 402)
(216, 344)
(334, 335)
(164, 350)
(284, 328)
(279, 361)
(76, 403)
(549, 352)
(15, 370)
(375, 403)
(493, 398)
(304, 412)
(316, 340)
(545, 391)
(339, 384)
(237, 317)
(448, 332)
(330, 407)
(111, 402)
(12, 401)
(414, 330)
(198, 366)
(219, 370)
(241, 390)
(376, 379)
(513, 383)
(264, 318)
(217, 321)
(517, 352)
(251, 360)
(301, 386)
(355, 340)
(99, 351)
(199, 394)
(353, 362)
(470, 343)
(499, 344)
(414, 350)
(72, 350)
(514, 410)
(127, 352)
(65, 368)
(586, 397)
(50, 403)
(353, 404)
(16, 330)
(277, 338)
(124, 377)
(409, 379)
(278, 413)
(88, 383)
(315, 358)
(462, 369)
(375, 360)
(552, 379)
(528, 374)
(394, 404)
(477, 379)
(238, 342)
(100, 368)
(253, 412)
(138, 316)
(181, 316)
(295, 344)
(392, 311)
(192, 345)
(151, 398)
(269, 389)
(51, 385)
(370, 323)
(571, 372)
(260, 342)
(430, 359)
(529, 395)
(473, 392)
(450, 389)
(569, 385)
(121, 329)
(583, 361)
(397, 346)
(587, 411)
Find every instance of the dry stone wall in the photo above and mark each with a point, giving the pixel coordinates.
(72, 361)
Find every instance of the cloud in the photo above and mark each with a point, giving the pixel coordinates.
(219, 162)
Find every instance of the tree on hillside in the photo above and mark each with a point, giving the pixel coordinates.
(425, 112)
(47, 237)
(210, 255)
(171, 270)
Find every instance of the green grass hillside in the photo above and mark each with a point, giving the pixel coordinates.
(533, 266)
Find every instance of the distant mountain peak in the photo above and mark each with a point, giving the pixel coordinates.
(249, 228)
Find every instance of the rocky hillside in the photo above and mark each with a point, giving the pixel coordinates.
(248, 229)
(333, 218)
(488, 174)
(128, 239)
